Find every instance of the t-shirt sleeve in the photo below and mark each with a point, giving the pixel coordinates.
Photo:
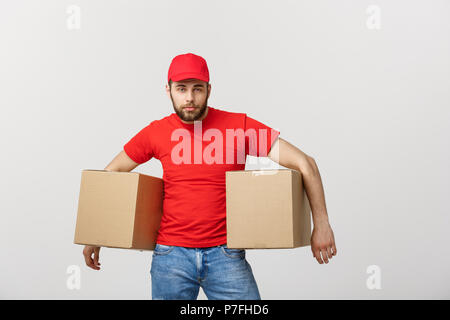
(259, 138)
(140, 147)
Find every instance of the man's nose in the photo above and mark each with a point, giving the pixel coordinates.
(189, 96)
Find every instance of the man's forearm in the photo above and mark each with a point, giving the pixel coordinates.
(314, 189)
(109, 168)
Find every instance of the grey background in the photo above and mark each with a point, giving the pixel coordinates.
(371, 106)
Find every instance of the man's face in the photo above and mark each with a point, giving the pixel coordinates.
(189, 98)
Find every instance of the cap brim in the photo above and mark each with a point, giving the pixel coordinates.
(184, 76)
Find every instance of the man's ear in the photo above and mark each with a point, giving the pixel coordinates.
(168, 90)
(209, 91)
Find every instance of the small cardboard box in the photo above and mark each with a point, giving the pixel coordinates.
(119, 209)
(267, 209)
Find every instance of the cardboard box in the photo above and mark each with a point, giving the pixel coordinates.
(267, 209)
(119, 209)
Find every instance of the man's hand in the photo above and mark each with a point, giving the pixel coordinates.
(87, 252)
(322, 242)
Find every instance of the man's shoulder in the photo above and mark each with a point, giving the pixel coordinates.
(161, 122)
(227, 113)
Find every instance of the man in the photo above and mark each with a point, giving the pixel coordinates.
(196, 146)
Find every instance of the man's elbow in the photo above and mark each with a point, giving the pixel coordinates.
(309, 167)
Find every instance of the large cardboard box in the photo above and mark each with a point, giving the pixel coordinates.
(267, 209)
(119, 209)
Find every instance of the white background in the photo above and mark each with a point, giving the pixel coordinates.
(370, 105)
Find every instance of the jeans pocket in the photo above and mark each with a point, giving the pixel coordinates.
(162, 249)
(233, 253)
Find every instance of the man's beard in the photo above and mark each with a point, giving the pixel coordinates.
(193, 115)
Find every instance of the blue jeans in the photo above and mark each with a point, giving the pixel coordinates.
(224, 274)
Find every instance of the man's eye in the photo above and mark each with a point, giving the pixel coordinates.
(182, 89)
(198, 89)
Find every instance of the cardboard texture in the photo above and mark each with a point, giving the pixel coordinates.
(267, 209)
(119, 209)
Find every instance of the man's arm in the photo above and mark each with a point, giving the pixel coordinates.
(293, 158)
(122, 162)
(289, 156)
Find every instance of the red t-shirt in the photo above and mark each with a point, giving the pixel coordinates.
(194, 161)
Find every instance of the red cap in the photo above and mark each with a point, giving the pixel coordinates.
(187, 66)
